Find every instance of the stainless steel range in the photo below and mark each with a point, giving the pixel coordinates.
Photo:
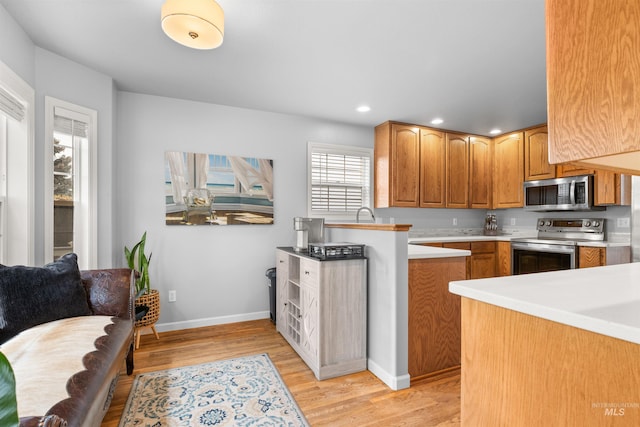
(556, 246)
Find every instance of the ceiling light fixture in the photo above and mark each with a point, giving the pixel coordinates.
(437, 121)
(363, 109)
(198, 24)
(495, 131)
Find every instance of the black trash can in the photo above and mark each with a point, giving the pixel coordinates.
(271, 274)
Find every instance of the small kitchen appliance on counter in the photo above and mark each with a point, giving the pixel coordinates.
(490, 225)
(308, 230)
(327, 251)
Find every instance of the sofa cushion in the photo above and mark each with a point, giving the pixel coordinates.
(30, 296)
(45, 357)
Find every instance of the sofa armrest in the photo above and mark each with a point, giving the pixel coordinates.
(110, 291)
(46, 421)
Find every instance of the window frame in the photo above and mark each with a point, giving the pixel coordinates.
(18, 183)
(347, 150)
(88, 247)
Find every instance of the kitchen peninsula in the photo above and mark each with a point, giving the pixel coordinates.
(557, 348)
(389, 256)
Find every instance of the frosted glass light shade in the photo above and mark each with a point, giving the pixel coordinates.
(198, 24)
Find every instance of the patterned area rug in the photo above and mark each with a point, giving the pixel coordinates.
(247, 391)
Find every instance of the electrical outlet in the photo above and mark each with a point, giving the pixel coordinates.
(455, 221)
(172, 296)
(512, 221)
(622, 223)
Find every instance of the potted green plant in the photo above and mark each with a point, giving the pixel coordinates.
(147, 300)
(8, 403)
(137, 260)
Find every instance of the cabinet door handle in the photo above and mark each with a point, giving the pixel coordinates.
(306, 272)
(281, 261)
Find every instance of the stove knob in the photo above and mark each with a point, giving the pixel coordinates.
(588, 223)
(547, 223)
(541, 223)
(596, 223)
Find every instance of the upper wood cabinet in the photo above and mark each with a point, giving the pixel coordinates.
(536, 155)
(593, 83)
(508, 171)
(571, 169)
(457, 170)
(610, 188)
(480, 172)
(397, 165)
(433, 185)
(417, 166)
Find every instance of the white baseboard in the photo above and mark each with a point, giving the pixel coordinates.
(394, 382)
(209, 321)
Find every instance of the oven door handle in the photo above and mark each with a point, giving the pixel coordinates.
(543, 247)
(572, 192)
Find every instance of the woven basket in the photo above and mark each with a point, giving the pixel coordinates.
(151, 300)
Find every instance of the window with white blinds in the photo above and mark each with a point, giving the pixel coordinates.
(339, 180)
(10, 105)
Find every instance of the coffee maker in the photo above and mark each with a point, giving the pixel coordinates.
(308, 230)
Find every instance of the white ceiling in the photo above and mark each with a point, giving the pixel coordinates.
(478, 64)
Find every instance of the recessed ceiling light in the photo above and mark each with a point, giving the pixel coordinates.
(437, 121)
(363, 109)
(495, 131)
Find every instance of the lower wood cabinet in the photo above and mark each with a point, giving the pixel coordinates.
(590, 256)
(434, 315)
(482, 262)
(503, 263)
(521, 370)
(321, 310)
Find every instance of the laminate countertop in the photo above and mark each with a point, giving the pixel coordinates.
(613, 240)
(604, 300)
(422, 252)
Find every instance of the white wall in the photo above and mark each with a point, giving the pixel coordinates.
(72, 82)
(526, 219)
(474, 218)
(16, 48)
(423, 218)
(217, 271)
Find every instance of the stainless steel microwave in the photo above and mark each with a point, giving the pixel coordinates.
(572, 193)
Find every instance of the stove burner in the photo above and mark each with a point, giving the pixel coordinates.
(568, 232)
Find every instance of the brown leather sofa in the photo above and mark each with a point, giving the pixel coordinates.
(66, 370)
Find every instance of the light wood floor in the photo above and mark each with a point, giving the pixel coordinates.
(356, 400)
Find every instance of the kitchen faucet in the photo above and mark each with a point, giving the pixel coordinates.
(373, 217)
